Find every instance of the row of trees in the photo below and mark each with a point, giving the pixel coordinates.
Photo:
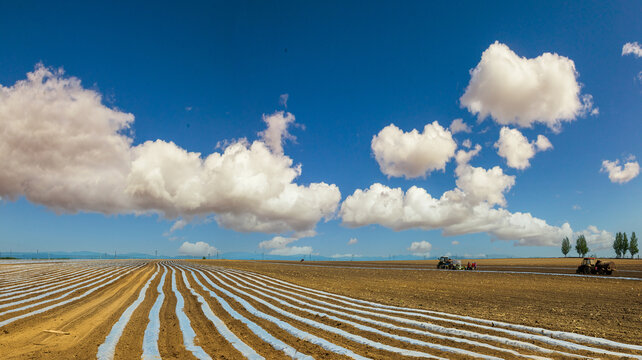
(580, 246)
(621, 245)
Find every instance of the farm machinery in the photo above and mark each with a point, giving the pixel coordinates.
(593, 266)
(446, 262)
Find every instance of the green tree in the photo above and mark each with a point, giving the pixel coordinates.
(617, 244)
(566, 246)
(633, 245)
(581, 246)
(625, 244)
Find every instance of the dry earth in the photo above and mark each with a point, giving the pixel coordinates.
(379, 310)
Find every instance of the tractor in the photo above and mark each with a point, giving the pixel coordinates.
(445, 263)
(591, 265)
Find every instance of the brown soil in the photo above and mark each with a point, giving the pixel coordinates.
(607, 308)
(88, 321)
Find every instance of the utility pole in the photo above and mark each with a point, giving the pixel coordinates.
(156, 254)
(114, 254)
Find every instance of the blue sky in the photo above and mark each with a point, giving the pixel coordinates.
(204, 74)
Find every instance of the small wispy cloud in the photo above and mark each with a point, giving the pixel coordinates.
(632, 48)
(339, 256)
(283, 100)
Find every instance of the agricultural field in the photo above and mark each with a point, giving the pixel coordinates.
(222, 309)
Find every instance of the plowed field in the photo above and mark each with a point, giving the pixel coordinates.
(261, 310)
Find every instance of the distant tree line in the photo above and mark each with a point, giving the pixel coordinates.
(580, 246)
(621, 245)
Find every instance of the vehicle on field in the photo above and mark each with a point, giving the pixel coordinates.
(457, 265)
(591, 265)
(445, 262)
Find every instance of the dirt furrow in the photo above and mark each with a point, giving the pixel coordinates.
(461, 326)
(353, 339)
(300, 344)
(170, 341)
(131, 342)
(78, 328)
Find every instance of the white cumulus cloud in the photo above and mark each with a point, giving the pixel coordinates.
(517, 150)
(413, 154)
(619, 174)
(521, 91)
(278, 245)
(458, 125)
(292, 250)
(596, 239)
(472, 207)
(632, 48)
(420, 248)
(479, 184)
(199, 248)
(62, 148)
(353, 241)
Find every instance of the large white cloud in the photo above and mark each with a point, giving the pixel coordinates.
(619, 174)
(521, 91)
(199, 248)
(61, 147)
(413, 154)
(469, 208)
(420, 248)
(517, 150)
(632, 48)
(392, 208)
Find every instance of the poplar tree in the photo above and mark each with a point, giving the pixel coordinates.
(566, 246)
(581, 246)
(617, 244)
(633, 245)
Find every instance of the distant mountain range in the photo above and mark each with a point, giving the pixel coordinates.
(230, 256)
